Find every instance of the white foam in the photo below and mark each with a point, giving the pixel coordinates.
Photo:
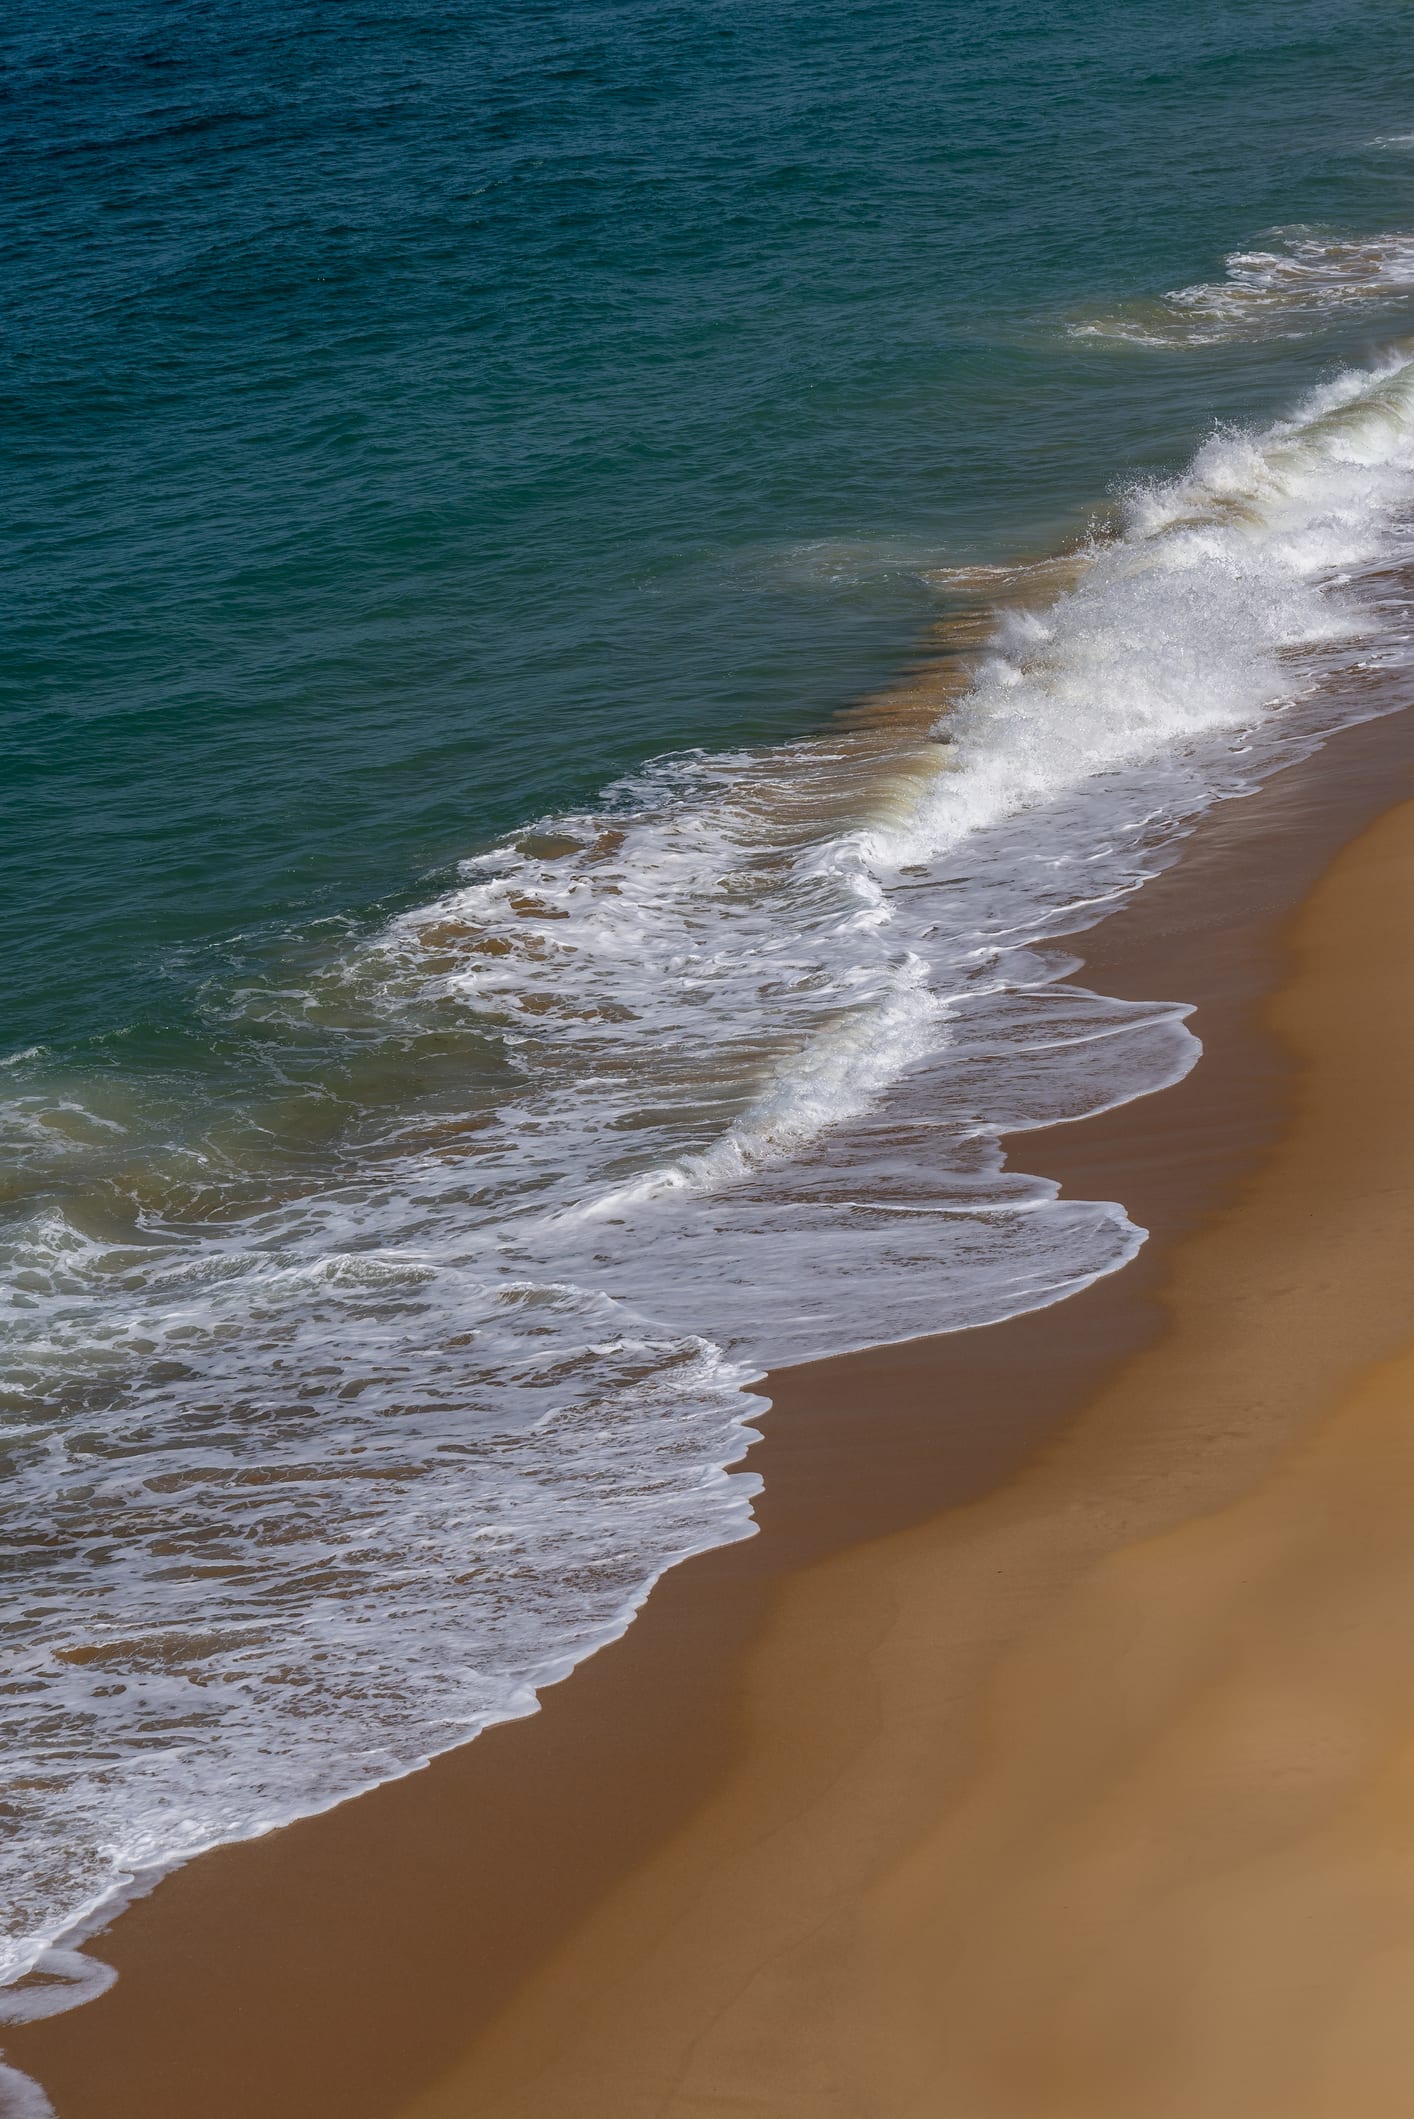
(1284, 292)
(59, 1980)
(21, 2096)
(323, 1462)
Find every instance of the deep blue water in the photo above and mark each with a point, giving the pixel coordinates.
(414, 415)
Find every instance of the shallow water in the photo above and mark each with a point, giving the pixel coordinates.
(479, 987)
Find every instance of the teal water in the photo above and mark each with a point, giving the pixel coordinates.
(416, 416)
(470, 1000)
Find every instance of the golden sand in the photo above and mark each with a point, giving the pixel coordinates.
(1095, 1797)
(999, 1774)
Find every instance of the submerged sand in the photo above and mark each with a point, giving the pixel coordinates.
(1045, 1755)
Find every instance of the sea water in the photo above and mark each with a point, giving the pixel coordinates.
(592, 591)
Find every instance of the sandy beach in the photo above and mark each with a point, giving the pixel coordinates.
(1046, 1754)
(1093, 1797)
(706, 1165)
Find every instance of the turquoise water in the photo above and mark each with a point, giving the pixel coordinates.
(472, 996)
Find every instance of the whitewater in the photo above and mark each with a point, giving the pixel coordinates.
(323, 1460)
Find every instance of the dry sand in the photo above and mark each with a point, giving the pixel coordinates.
(1095, 1797)
(1042, 1756)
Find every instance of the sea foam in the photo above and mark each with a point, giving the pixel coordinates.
(1309, 276)
(320, 1467)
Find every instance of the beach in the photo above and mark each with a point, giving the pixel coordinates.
(703, 1150)
(1043, 1758)
(1095, 1797)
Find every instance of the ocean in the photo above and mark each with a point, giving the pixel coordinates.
(593, 590)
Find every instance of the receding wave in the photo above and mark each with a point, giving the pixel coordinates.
(344, 1414)
(1288, 291)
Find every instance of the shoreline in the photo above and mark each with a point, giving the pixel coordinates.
(344, 1964)
(1092, 1797)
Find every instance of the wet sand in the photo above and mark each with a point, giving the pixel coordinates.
(1043, 1755)
(1097, 1796)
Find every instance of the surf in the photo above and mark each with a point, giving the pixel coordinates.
(326, 1459)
